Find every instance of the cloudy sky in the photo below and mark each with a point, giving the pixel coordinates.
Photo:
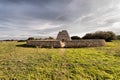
(24, 18)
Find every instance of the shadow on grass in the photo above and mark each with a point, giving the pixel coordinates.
(25, 46)
(49, 47)
(30, 46)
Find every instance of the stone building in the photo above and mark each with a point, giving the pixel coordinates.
(63, 36)
(63, 40)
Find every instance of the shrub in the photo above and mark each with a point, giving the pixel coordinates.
(21, 40)
(49, 38)
(107, 35)
(88, 36)
(31, 38)
(75, 38)
(118, 37)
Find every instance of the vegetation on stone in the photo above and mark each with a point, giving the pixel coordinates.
(18, 62)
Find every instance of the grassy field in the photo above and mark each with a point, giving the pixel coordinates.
(24, 63)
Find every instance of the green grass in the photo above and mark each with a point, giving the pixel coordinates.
(25, 63)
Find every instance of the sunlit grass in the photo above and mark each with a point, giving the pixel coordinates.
(27, 63)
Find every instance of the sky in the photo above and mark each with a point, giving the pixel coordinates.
(20, 19)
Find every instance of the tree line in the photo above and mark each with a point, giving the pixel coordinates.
(49, 38)
(108, 36)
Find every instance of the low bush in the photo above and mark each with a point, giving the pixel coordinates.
(107, 35)
(75, 38)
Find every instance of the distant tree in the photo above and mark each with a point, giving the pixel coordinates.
(75, 38)
(118, 37)
(51, 38)
(88, 36)
(112, 36)
(107, 35)
(38, 39)
(31, 38)
(21, 41)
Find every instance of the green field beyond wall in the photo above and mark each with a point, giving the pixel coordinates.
(18, 62)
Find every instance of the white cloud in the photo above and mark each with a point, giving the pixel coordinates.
(36, 18)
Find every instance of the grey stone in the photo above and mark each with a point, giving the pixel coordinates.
(63, 40)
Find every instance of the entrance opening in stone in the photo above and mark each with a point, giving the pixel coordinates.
(63, 40)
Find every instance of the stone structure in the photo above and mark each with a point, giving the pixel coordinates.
(63, 40)
(45, 43)
(63, 36)
(84, 43)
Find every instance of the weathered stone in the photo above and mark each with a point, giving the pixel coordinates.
(63, 40)
(84, 43)
(44, 44)
(63, 36)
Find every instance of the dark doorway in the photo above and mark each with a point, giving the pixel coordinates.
(63, 40)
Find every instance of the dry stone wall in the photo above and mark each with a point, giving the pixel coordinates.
(44, 44)
(67, 44)
(84, 43)
(63, 40)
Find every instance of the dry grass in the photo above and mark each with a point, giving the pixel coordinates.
(25, 63)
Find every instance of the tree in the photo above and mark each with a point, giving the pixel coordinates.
(31, 38)
(75, 38)
(51, 38)
(118, 37)
(88, 36)
(107, 35)
(112, 35)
